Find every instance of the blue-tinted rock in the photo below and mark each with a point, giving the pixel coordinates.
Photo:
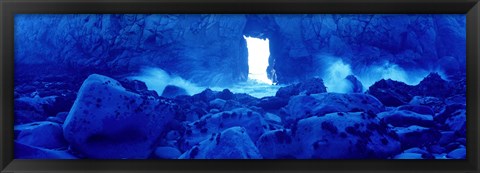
(460, 153)
(43, 134)
(433, 85)
(391, 93)
(311, 86)
(436, 104)
(231, 143)
(202, 129)
(416, 136)
(217, 104)
(332, 136)
(225, 95)
(425, 110)
(350, 135)
(206, 95)
(446, 137)
(458, 122)
(62, 116)
(31, 109)
(357, 86)
(278, 144)
(437, 149)
(172, 91)
(272, 103)
(408, 156)
(167, 153)
(457, 99)
(449, 111)
(55, 120)
(23, 151)
(245, 98)
(405, 118)
(207, 49)
(319, 104)
(106, 121)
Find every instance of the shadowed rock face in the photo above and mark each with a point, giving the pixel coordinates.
(208, 49)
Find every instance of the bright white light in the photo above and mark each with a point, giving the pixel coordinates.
(258, 53)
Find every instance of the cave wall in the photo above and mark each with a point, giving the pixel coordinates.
(210, 49)
(207, 49)
(300, 45)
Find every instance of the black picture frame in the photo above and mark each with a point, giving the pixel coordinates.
(9, 8)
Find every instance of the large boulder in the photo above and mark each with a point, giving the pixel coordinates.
(109, 122)
(231, 143)
(202, 129)
(319, 104)
(41, 134)
(336, 135)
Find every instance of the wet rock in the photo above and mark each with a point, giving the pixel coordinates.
(446, 137)
(278, 144)
(320, 104)
(225, 95)
(458, 122)
(437, 149)
(202, 129)
(23, 151)
(62, 116)
(43, 134)
(272, 103)
(405, 118)
(391, 93)
(311, 86)
(436, 104)
(416, 136)
(460, 153)
(206, 95)
(31, 109)
(172, 91)
(231, 143)
(107, 121)
(167, 153)
(138, 87)
(217, 104)
(245, 99)
(449, 111)
(408, 156)
(357, 86)
(55, 120)
(424, 110)
(332, 136)
(433, 85)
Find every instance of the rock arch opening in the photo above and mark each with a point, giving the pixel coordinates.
(258, 59)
